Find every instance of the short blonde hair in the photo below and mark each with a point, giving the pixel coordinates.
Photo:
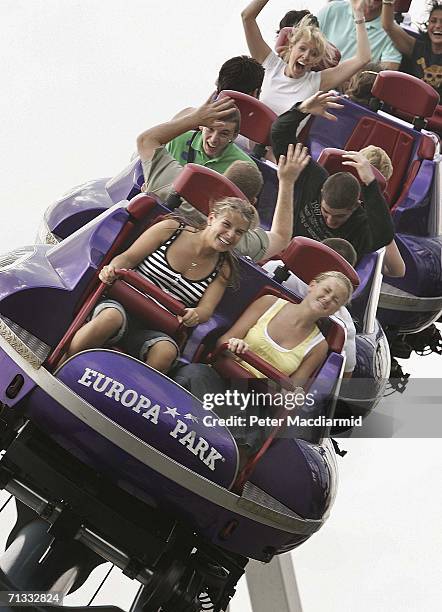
(305, 30)
(344, 280)
(379, 159)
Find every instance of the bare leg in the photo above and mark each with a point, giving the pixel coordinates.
(161, 356)
(96, 332)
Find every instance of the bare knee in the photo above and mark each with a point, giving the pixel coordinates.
(97, 331)
(161, 356)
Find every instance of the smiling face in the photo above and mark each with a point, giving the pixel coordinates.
(303, 55)
(326, 296)
(215, 140)
(435, 27)
(226, 229)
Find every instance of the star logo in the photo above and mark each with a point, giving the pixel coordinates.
(190, 417)
(172, 411)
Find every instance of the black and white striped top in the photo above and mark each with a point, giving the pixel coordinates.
(157, 269)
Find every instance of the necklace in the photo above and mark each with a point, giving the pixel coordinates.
(193, 265)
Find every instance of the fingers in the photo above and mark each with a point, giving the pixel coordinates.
(107, 275)
(190, 317)
(237, 346)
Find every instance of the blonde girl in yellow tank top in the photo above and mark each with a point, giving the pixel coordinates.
(286, 334)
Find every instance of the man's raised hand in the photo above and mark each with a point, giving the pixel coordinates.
(213, 112)
(291, 165)
(320, 104)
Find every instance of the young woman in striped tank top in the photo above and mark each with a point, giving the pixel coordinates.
(193, 265)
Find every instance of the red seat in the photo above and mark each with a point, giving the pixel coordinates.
(256, 117)
(320, 258)
(404, 94)
(331, 159)
(282, 41)
(200, 186)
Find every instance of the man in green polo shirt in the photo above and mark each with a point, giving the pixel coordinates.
(336, 21)
(210, 146)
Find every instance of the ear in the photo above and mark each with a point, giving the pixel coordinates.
(201, 128)
(210, 217)
(311, 284)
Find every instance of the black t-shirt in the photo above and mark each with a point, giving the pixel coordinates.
(368, 229)
(424, 64)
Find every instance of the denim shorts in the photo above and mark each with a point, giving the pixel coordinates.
(132, 337)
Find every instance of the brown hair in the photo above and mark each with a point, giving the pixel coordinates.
(359, 86)
(342, 247)
(235, 118)
(341, 190)
(338, 276)
(379, 159)
(305, 30)
(247, 177)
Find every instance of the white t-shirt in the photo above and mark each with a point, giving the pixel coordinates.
(295, 284)
(281, 92)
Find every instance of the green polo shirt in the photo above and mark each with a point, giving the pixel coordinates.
(179, 146)
(337, 24)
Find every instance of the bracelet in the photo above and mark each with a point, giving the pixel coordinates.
(359, 21)
(387, 1)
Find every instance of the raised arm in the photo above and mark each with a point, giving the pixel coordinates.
(209, 114)
(289, 170)
(258, 48)
(332, 77)
(401, 40)
(380, 225)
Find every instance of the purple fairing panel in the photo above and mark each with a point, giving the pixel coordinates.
(78, 207)
(8, 371)
(129, 179)
(52, 279)
(150, 406)
(422, 257)
(250, 538)
(309, 472)
(411, 213)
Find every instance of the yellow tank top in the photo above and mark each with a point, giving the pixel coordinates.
(286, 360)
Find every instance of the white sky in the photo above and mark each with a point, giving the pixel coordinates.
(80, 80)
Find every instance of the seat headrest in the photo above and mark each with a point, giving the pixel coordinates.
(200, 186)
(282, 41)
(256, 117)
(141, 205)
(331, 159)
(405, 93)
(402, 6)
(307, 258)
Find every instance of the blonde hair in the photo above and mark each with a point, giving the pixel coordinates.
(243, 208)
(338, 276)
(305, 30)
(379, 159)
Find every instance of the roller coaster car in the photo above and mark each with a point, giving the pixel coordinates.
(118, 458)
